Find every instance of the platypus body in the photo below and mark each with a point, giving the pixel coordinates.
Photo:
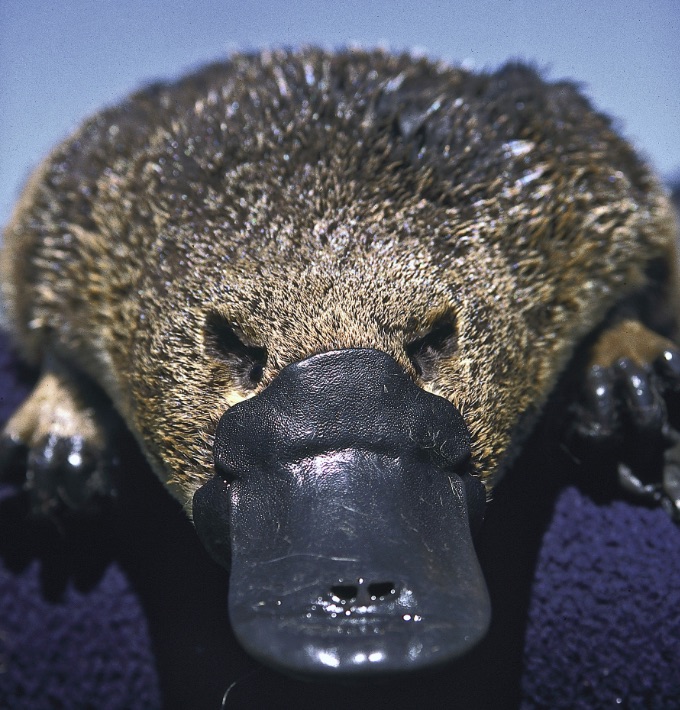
(330, 295)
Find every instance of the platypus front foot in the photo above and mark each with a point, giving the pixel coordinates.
(629, 410)
(57, 445)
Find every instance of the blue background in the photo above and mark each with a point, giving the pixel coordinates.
(62, 60)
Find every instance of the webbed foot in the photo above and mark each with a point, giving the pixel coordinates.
(627, 411)
(57, 445)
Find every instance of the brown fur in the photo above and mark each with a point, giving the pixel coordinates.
(318, 201)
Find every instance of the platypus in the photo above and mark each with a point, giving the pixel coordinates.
(330, 294)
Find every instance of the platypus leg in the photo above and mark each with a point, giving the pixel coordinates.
(629, 409)
(58, 442)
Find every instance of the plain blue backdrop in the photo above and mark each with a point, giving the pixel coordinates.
(61, 60)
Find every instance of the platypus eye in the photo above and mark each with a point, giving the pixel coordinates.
(222, 341)
(438, 342)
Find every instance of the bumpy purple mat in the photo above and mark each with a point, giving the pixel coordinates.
(128, 612)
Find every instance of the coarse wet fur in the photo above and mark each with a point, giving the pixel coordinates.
(186, 245)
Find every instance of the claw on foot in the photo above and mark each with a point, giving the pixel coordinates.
(66, 473)
(56, 444)
(624, 412)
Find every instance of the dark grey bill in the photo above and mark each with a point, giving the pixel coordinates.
(343, 505)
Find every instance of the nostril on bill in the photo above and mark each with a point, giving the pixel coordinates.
(344, 592)
(379, 591)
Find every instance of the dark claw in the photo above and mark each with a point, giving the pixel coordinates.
(599, 419)
(668, 367)
(666, 494)
(66, 473)
(13, 455)
(671, 482)
(631, 483)
(645, 406)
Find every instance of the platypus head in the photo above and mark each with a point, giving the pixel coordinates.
(354, 396)
(360, 278)
(344, 496)
(343, 503)
(354, 400)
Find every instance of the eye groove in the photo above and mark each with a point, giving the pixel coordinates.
(439, 341)
(223, 342)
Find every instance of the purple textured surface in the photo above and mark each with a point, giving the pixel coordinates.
(604, 618)
(130, 613)
(85, 649)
